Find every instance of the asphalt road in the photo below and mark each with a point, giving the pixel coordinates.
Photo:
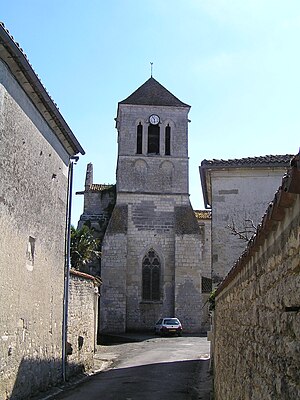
(171, 368)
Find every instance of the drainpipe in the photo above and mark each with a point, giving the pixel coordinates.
(72, 161)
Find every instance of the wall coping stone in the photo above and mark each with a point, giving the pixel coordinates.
(96, 279)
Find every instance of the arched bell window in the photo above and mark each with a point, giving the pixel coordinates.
(168, 140)
(139, 139)
(151, 269)
(153, 139)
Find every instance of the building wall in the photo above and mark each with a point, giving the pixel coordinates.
(151, 190)
(150, 172)
(257, 326)
(82, 321)
(96, 204)
(33, 190)
(205, 250)
(113, 292)
(188, 297)
(150, 223)
(205, 232)
(237, 195)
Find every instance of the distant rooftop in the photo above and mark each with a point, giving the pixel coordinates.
(154, 94)
(96, 187)
(269, 161)
(283, 200)
(99, 187)
(260, 161)
(202, 214)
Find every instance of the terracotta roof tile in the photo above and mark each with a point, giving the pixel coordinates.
(203, 214)
(269, 161)
(96, 279)
(260, 161)
(99, 187)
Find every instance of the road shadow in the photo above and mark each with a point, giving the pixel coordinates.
(39, 375)
(107, 339)
(180, 380)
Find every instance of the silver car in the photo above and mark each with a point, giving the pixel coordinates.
(166, 326)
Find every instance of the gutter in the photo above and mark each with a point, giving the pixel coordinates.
(72, 161)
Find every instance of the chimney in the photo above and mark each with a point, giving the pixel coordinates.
(89, 176)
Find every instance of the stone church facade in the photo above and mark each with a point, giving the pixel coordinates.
(151, 253)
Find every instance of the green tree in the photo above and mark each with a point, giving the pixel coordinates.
(84, 247)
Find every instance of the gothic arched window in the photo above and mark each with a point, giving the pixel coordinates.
(153, 139)
(168, 140)
(139, 139)
(151, 276)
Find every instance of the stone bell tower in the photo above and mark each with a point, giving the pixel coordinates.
(151, 259)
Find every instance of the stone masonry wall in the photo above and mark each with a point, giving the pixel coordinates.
(239, 196)
(113, 272)
(257, 325)
(82, 321)
(151, 184)
(33, 193)
(152, 173)
(98, 205)
(188, 298)
(150, 224)
(205, 235)
(113, 293)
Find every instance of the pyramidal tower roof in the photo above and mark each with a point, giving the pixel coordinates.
(152, 93)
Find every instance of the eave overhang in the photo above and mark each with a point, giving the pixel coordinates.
(283, 200)
(18, 64)
(263, 162)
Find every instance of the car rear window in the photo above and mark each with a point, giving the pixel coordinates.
(171, 321)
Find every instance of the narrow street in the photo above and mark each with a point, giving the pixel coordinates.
(156, 368)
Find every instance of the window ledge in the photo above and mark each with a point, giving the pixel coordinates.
(151, 302)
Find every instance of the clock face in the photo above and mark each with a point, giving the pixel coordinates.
(154, 119)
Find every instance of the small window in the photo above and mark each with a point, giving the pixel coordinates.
(153, 139)
(151, 276)
(206, 285)
(139, 139)
(168, 140)
(30, 253)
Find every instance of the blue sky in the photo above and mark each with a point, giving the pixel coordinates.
(237, 63)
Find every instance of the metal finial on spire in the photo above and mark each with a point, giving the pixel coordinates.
(151, 63)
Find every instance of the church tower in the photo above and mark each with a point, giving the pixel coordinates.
(151, 256)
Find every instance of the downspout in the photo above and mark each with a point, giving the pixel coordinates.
(67, 266)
